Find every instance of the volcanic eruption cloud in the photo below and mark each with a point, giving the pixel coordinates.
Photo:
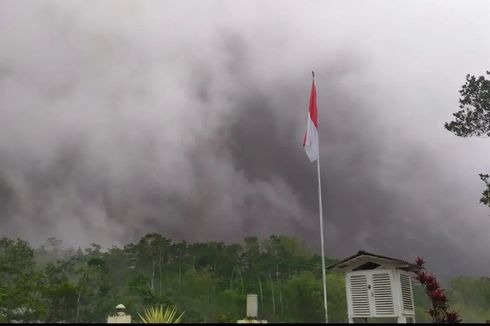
(120, 118)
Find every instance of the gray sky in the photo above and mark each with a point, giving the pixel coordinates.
(119, 118)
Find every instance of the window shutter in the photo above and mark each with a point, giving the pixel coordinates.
(379, 293)
(359, 295)
(406, 286)
(383, 294)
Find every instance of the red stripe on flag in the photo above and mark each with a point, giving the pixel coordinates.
(312, 109)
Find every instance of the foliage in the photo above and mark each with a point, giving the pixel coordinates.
(440, 312)
(157, 315)
(20, 284)
(209, 281)
(472, 297)
(337, 301)
(305, 294)
(485, 199)
(473, 118)
(422, 303)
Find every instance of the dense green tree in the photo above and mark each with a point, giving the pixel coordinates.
(20, 297)
(337, 301)
(148, 253)
(209, 281)
(94, 286)
(304, 292)
(471, 296)
(59, 292)
(473, 118)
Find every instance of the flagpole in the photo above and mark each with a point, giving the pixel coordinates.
(321, 224)
(321, 237)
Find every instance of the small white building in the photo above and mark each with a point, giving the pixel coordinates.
(120, 317)
(252, 311)
(377, 287)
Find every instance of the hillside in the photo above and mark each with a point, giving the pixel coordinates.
(209, 281)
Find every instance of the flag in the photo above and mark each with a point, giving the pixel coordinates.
(311, 136)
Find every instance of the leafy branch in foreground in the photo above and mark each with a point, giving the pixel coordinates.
(486, 194)
(473, 118)
(440, 312)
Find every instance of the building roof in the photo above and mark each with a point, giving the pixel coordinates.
(364, 254)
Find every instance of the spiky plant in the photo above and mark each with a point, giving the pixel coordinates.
(157, 315)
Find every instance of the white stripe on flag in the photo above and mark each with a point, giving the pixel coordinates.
(311, 141)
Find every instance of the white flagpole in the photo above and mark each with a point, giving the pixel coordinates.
(321, 237)
(321, 222)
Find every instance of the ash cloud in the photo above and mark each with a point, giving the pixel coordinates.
(117, 120)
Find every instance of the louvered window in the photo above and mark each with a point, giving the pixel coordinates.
(379, 293)
(406, 287)
(383, 295)
(371, 294)
(359, 295)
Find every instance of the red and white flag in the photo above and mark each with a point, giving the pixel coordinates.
(311, 136)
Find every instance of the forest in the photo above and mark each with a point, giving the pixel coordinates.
(207, 281)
